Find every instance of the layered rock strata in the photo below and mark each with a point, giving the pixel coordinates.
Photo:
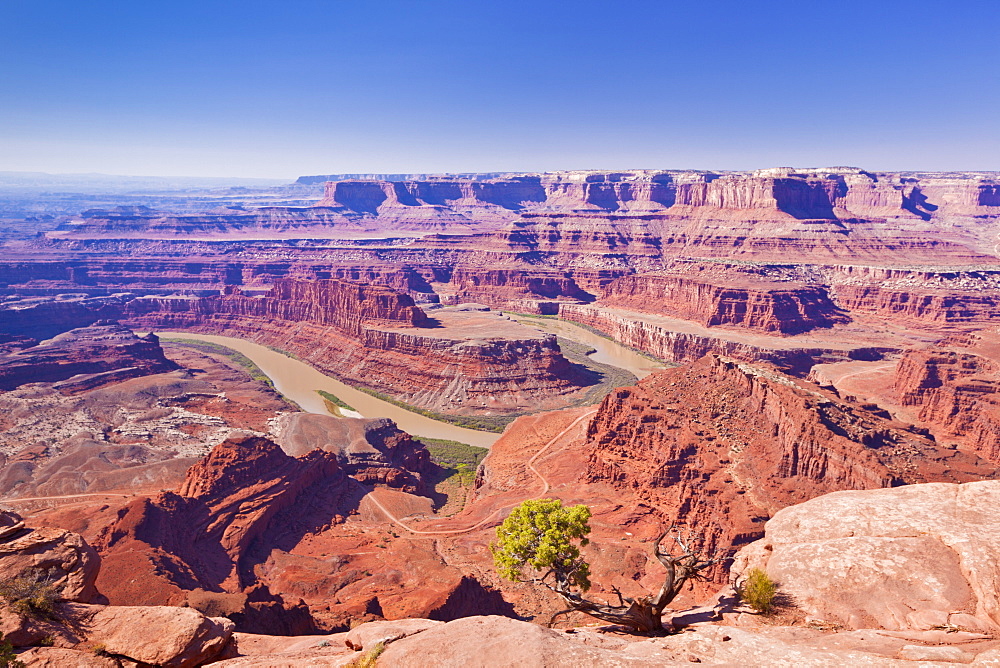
(675, 340)
(377, 338)
(775, 214)
(920, 306)
(954, 386)
(759, 439)
(751, 304)
(84, 359)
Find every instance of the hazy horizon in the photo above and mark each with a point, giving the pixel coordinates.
(236, 90)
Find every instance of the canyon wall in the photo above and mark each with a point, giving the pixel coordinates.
(755, 441)
(840, 192)
(676, 341)
(377, 338)
(955, 387)
(515, 288)
(838, 212)
(920, 306)
(751, 304)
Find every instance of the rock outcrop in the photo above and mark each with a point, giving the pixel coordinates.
(914, 557)
(154, 635)
(717, 446)
(755, 441)
(479, 642)
(203, 535)
(250, 530)
(48, 578)
(84, 359)
(377, 338)
(57, 557)
(750, 303)
(954, 387)
(370, 451)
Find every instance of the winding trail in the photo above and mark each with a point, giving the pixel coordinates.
(869, 370)
(531, 465)
(371, 495)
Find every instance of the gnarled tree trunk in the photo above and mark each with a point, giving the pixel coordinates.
(644, 614)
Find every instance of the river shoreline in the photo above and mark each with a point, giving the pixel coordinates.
(301, 382)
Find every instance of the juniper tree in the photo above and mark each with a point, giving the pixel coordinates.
(540, 542)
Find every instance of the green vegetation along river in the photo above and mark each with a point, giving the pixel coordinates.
(301, 383)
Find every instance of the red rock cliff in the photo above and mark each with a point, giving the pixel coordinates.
(754, 441)
(956, 387)
(242, 500)
(749, 303)
(375, 337)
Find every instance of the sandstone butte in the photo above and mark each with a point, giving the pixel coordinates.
(833, 416)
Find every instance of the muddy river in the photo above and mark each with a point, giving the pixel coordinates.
(299, 382)
(608, 351)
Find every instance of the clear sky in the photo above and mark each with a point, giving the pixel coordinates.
(281, 88)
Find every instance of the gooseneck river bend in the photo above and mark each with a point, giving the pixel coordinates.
(299, 382)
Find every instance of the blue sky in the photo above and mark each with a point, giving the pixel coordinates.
(290, 87)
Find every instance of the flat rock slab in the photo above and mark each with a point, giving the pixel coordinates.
(913, 557)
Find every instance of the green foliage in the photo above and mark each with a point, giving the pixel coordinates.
(335, 400)
(490, 423)
(458, 458)
(239, 358)
(284, 352)
(369, 658)
(30, 595)
(8, 658)
(758, 591)
(542, 536)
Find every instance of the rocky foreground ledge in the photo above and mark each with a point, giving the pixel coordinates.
(889, 577)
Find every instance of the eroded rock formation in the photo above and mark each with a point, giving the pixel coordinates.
(377, 338)
(955, 387)
(84, 359)
(62, 609)
(916, 557)
(760, 439)
(753, 304)
(370, 451)
(245, 493)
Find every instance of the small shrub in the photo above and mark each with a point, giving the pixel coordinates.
(758, 591)
(369, 658)
(46, 641)
(335, 400)
(99, 649)
(8, 658)
(30, 595)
